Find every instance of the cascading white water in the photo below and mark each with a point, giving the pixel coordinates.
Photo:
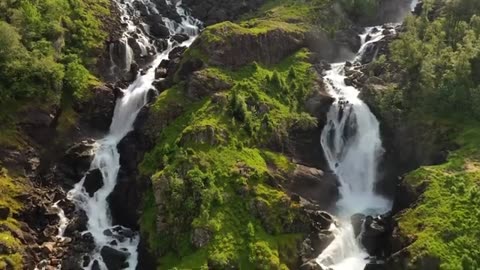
(352, 145)
(107, 158)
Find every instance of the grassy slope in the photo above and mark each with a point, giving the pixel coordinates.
(235, 161)
(218, 183)
(446, 221)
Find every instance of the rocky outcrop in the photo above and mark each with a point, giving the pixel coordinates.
(97, 111)
(75, 162)
(237, 46)
(315, 185)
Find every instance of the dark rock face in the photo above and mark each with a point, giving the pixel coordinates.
(93, 181)
(114, 259)
(75, 163)
(357, 223)
(375, 235)
(318, 237)
(36, 123)
(77, 224)
(315, 185)
(97, 111)
(214, 11)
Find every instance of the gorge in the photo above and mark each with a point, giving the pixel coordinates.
(256, 134)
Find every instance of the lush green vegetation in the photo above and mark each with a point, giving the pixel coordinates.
(46, 47)
(210, 170)
(438, 58)
(431, 75)
(445, 224)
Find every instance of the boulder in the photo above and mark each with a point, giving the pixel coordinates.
(93, 181)
(78, 223)
(114, 259)
(159, 30)
(76, 161)
(374, 235)
(177, 52)
(180, 37)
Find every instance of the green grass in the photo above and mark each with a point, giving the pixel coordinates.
(445, 223)
(218, 186)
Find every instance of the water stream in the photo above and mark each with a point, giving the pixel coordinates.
(107, 158)
(353, 147)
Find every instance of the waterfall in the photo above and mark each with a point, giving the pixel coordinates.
(107, 158)
(353, 147)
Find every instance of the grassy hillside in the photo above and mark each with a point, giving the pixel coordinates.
(214, 173)
(46, 49)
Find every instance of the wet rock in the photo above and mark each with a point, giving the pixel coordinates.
(4, 212)
(77, 224)
(159, 30)
(114, 259)
(201, 237)
(93, 181)
(374, 235)
(177, 52)
(96, 265)
(311, 265)
(180, 37)
(357, 222)
(322, 219)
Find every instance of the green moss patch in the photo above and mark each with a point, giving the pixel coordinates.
(10, 188)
